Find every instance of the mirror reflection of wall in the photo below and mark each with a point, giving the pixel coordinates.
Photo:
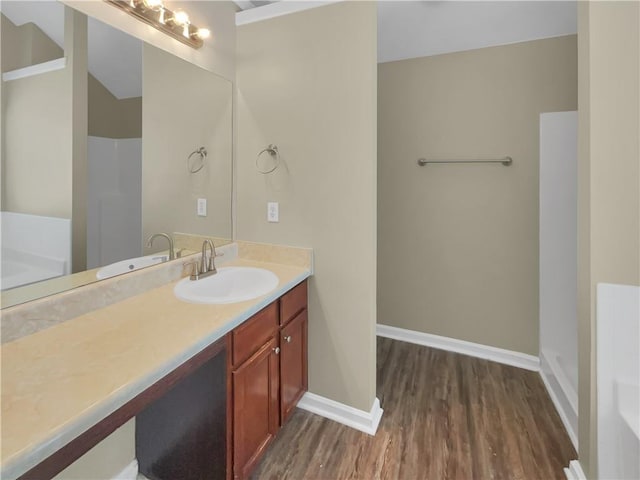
(36, 144)
(185, 108)
(114, 149)
(80, 181)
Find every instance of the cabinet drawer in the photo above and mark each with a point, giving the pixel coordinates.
(254, 333)
(293, 302)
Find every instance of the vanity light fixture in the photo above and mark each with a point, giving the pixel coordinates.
(175, 24)
(153, 4)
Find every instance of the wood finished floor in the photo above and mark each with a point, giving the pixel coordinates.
(446, 416)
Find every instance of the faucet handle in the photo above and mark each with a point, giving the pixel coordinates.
(195, 270)
(212, 263)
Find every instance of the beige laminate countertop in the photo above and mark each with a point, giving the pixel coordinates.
(61, 381)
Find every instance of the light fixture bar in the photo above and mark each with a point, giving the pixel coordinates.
(162, 19)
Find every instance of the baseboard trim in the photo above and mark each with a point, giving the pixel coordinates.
(507, 357)
(567, 414)
(574, 471)
(130, 472)
(366, 422)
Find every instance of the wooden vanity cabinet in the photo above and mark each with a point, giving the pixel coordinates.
(255, 382)
(268, 368)
(293, 350)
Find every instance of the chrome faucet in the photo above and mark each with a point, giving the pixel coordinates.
(172, 253)
(210, 266)
(205, 268)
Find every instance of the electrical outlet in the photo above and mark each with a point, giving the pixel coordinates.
(201, 209)
(272, 212)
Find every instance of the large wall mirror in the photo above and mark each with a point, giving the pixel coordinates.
(99, 153)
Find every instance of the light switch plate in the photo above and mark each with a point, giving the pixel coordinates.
(202, 207)
(272, 212)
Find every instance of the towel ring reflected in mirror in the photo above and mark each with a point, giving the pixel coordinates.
(272, 150)
(194, 166)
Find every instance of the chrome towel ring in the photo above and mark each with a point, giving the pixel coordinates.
(272, 150)
(198, 162)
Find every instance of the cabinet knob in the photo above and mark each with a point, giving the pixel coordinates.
(287, 339)
(276, 350)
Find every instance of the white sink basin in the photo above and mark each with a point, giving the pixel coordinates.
(229, 285)
(129, 265)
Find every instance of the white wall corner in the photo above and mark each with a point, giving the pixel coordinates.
(366, 422)
(486, 352)
(130, 472)
(574, 471)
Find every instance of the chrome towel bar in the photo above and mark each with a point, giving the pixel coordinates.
(506, 161)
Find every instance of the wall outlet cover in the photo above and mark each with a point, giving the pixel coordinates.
(202, 207)
(273, 213)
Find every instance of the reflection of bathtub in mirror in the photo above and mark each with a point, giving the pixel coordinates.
(129, 265)
(34, 248)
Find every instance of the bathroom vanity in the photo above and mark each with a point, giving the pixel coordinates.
(236, 371)
(268, 364)
(217, 422)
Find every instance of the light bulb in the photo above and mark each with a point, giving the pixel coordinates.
(181, 17)
(153, 4)
(203, 33)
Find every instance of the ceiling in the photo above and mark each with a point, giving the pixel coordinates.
(419, 29)
(247, 4)
(406, 29)
(410, 29)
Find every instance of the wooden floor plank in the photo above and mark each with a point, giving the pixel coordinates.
(446, 416)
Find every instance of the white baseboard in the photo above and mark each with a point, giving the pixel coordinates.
(366, 422)
(564, 406)
(130, 472)
(507, 357)
(574, 471)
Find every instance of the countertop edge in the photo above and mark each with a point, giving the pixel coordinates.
(22, 463)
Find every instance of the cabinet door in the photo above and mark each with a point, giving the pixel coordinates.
(293, 364)
(255, 407)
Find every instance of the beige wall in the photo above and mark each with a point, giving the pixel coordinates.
(107, 459)
(2, 128)
(183, 108)
(25, 45)
(37, 146)
(75, 46)
(34, 106)
(608, 179)
(111, 117)
(458, 244)
(307, 83)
